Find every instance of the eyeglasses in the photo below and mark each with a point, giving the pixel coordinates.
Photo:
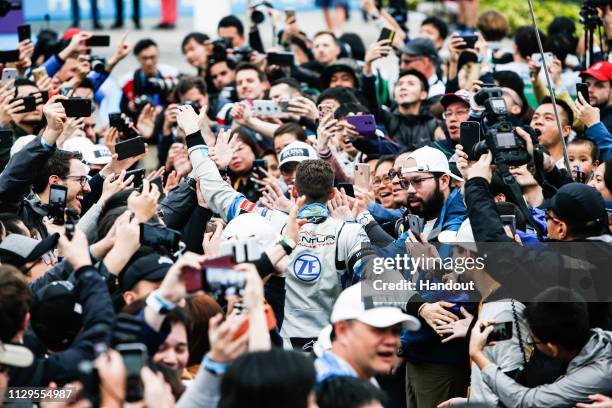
(416, 182)
(394, 173)
(82, 179)
(377, 181)
(460, 112)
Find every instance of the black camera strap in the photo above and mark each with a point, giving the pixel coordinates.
(517, 195)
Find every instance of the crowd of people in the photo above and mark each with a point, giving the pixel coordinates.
(231, 236)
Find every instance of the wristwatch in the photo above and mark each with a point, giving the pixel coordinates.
(158, 303)
(288, 244)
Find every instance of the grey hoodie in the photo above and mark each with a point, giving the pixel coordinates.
(590, 372)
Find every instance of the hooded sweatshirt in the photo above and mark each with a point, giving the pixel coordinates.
(590, 372)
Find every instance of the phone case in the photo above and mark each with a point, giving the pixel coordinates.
(99, 41)
(469, 135)
(266, 108)
(130, 148)
(77, 107)
(8, 74)
(362, 176)
(364, 124)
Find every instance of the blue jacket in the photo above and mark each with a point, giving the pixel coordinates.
(424, 345)
(600, 135)
(382, 214)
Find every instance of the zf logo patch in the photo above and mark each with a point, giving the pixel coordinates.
(307, 267)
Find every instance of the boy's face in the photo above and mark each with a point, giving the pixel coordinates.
(580, 156)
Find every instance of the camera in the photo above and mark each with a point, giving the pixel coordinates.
(195, 106)
(8, 6)
(220, 47)
(160, 85)
(259, 11)
(98, 64)
(500, 138)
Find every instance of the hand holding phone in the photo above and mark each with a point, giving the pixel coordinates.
(583, 89)
(501, 331)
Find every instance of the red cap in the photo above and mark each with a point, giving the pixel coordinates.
(71, 32)
(601, 71)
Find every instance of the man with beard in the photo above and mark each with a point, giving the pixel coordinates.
(435, 371)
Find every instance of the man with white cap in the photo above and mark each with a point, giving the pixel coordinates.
(95, 156)
(291, 156)
(365, 337)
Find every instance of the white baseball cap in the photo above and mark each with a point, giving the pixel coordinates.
(92, 153)
(15, 355)
(252, 225)
(428, 160)
(464, 237)
(297, 152)
(350, 305)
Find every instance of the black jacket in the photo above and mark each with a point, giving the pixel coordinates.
(16, 181)
(581, 265)
(409, 130)
(606, 117)
(62, 367)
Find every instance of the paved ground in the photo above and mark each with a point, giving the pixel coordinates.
(169, 41)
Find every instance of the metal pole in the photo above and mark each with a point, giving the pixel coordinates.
(550, 88)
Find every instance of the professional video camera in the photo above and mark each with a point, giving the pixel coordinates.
(239, 54)
(8, 6)
(259, 11)
(500, 138)
(160, 85)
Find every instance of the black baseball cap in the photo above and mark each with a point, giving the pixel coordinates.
(422, 47)
(152, 268)
(576, 204)
(56, 315)
(342, 65)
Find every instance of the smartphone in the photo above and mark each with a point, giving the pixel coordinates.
(348, 189)
(44, 95)
(509, 220)
(39, 73)
(362, 176)
(159, 237)
(24, 32)
(130, 148)
(469, 135)
(470, 41)
(29, 104)
(386, 34)
(416, 224)
(8, 74)
(364, 124)
(258, 165)
(213, 274)
(9, 56)
(266, 108)
(159, 183)
(138, 176)
(98, 41)
(282, 59)
(537, 57)
(211, 226)
(324, 110)
(582, 88)
(219, 275)
(57, 203)
(135, 357)
(115, 120)
(77, 107)
(6, 139)
(501, 331)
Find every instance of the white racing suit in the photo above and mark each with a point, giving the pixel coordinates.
(329, 256)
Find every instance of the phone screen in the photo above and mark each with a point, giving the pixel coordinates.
(501, 331)
(348, 189)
